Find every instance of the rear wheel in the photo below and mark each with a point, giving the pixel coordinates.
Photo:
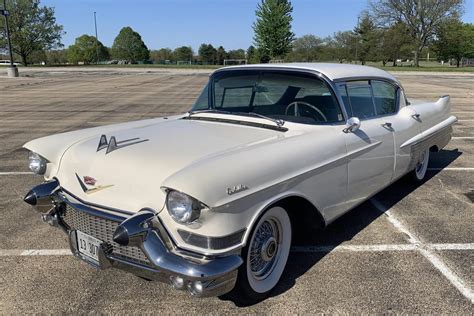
(420, 170)
(264, 257)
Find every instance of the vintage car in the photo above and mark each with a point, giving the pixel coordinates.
(209, 201)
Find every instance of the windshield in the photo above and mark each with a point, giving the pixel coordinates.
(282, 96)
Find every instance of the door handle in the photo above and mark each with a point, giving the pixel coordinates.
(416, 116)
(387, 125)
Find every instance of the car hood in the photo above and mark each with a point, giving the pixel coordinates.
(130, 177)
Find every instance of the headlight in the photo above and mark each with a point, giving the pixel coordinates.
(36, 163)
(183, 208)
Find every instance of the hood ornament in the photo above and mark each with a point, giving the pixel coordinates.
(113, 144)
(88, 184)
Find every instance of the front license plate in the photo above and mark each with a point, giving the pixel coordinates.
(88, 245)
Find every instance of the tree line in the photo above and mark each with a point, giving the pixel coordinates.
(389, 30)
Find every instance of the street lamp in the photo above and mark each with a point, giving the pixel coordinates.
(12, 70)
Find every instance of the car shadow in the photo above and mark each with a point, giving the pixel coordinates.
(353, 222)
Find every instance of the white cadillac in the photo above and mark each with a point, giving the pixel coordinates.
(209, 201)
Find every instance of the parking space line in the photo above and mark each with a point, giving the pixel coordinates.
(463, 137)
(429, 254)
(34, 252)
(294, 249)
(15, 173)
(452, 169)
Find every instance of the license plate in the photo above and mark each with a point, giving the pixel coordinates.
(88, 245)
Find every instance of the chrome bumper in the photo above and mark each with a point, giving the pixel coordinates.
(184, 271)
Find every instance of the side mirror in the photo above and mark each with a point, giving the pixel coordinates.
(352, 125)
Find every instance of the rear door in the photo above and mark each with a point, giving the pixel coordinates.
(371, 147)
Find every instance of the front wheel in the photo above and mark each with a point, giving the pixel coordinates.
(265, 257)
(421, 167)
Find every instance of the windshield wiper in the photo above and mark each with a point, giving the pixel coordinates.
(279, 123)
(190, 113)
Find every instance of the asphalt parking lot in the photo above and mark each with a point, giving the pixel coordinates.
(409, 250)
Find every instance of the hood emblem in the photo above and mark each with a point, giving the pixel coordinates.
(89, 180)
(113, 144)
(88, 184)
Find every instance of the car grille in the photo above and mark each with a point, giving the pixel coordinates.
(103, 229)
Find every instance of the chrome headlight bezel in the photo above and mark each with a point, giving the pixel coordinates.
(182, 208)
(36, 163)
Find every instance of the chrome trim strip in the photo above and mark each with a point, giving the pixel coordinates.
(430, 131)
(106, 208)
(214, 243)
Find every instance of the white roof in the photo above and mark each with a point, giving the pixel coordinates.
(332, 71)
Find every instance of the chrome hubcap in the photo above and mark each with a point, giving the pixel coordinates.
(264, 248)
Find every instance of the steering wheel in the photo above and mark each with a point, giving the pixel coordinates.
(297, 112)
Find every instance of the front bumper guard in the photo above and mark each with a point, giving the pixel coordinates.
(200, 277)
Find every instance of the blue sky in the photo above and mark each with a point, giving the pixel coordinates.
(173, 23)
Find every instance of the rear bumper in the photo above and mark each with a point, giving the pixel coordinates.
(159, 259)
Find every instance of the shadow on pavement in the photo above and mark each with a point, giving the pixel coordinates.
(353, 222)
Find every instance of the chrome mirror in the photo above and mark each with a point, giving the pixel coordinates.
(352, 125)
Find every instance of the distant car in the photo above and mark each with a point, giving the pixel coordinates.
(210, 200)
(7, 63)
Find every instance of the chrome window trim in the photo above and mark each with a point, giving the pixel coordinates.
(398, 88)
(331, 84)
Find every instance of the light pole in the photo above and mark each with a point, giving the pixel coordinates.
(12, 70)
(96, 38)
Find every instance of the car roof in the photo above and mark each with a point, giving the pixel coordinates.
(332, 71)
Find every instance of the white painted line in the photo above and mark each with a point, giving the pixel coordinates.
(14, 173)
(34, 252)
(463, 137)
(463, 112)
(295, 249)
(452, 169)
(353, 248)
(469, 120)
(431, 256)
(451, 246)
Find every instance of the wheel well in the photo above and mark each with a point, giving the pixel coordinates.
(434, 148)
(305, 218)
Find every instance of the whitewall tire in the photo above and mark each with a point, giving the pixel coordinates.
(265, 257)
(422, 166)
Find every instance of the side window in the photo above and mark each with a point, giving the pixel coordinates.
(360, 98)
(385, 97)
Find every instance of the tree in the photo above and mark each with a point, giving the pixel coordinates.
(273, 36)
(183, 53)
(207, 53)
(56, 57)
(128, 45)
(236, 54)
(221, 54)
(251, 55)
(162, 55)
(395, 43)
(85, 50)
(306, 48)
(367, 37)
(422, 17)
(32, 28)
(343, 46)
(455, 40)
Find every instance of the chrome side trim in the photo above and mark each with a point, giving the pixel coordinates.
(430, 131)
